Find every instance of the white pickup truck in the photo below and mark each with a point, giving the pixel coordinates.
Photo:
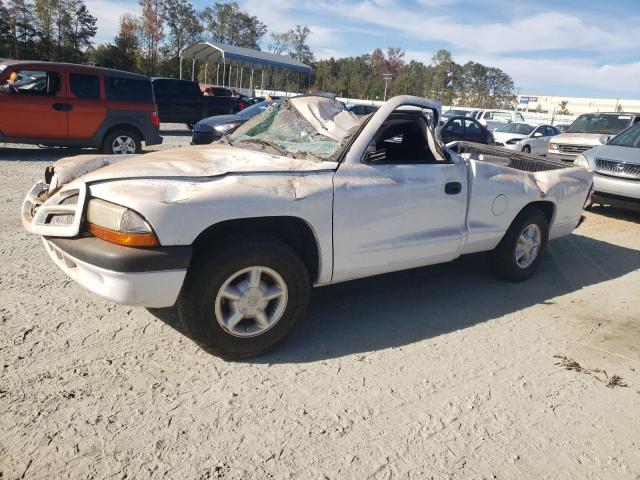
(305, 194)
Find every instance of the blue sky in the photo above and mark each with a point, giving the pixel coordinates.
(569, 48)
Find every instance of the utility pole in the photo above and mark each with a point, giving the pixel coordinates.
(387, 77)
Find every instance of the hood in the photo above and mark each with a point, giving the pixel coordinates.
(615, 152)
(203, 161)
(222, 119)
(578, 139)
(504, 136)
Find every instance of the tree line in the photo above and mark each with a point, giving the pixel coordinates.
(149, 43)
(54, 30)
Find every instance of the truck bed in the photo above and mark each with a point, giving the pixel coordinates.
(508, 158)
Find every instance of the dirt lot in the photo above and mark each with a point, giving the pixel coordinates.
(442, 372)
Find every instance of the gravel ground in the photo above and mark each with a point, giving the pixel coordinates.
(443, 372)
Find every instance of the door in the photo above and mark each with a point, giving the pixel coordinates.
(453, 130)
(88, 107)
(399, 207)
(539, 139)
(186, 102)
(474, 132)
(33, 103)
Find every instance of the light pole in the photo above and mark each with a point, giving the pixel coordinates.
(387, 77)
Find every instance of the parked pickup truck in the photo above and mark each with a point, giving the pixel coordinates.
(493, 119)
(181, 101)
(304, 194)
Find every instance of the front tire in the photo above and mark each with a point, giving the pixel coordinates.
(517, 256)
(244, 299)
(526, 149)
(122, 142)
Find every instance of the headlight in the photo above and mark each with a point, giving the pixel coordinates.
(513, 141)
(117, 224)
(202, 127)
(226, 127)
(553, 146)
(581, 161)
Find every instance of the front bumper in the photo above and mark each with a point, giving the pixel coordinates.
(204, 138)
(148, 277)
(564, 157)
(618, 186)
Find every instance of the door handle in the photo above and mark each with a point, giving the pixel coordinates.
(453, 188)
(62, 107)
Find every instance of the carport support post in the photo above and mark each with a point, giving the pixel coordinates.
(180, 67)
(241, 77)
(206, 67)
(262, 82)
(193, 69)
(224, 71)
(218, 74)
(251, 82)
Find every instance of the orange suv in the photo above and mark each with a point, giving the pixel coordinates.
(58, 104)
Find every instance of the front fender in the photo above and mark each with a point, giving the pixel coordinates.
(180, 209)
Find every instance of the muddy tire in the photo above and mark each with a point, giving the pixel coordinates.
(122, 141)
(243, 299)
(526, 149)
(517, 256)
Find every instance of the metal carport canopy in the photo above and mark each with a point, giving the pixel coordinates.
(215, 52)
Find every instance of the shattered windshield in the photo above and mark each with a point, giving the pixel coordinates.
(315, 129)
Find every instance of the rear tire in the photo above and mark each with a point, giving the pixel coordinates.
(122, 142)
(517, 256)
(526, 149)
(228, 311)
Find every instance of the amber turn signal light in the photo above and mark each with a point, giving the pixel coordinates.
(121, 238)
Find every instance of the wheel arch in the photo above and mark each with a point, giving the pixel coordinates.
(547, 207)
(294, 231)
(122, 126)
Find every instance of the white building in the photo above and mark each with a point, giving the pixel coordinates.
(575, 106)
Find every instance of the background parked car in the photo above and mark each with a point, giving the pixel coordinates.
(181, 101)
(455, 112)
(587, 131)
(57, 104)
(466, 129)
(214, 90)
(210, 129)
(361, 110)
(525, 137)
(616, 169)
(493, 119)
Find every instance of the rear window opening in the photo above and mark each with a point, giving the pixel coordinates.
(128, 90)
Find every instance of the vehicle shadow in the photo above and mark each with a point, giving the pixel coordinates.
(176, 133)
(37, 154)
(617, 213)
(405, 307)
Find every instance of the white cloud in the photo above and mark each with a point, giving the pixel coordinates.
(550, 30)
(108, 14)
(550, 76)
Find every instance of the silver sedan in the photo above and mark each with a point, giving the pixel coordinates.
(525, 137)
